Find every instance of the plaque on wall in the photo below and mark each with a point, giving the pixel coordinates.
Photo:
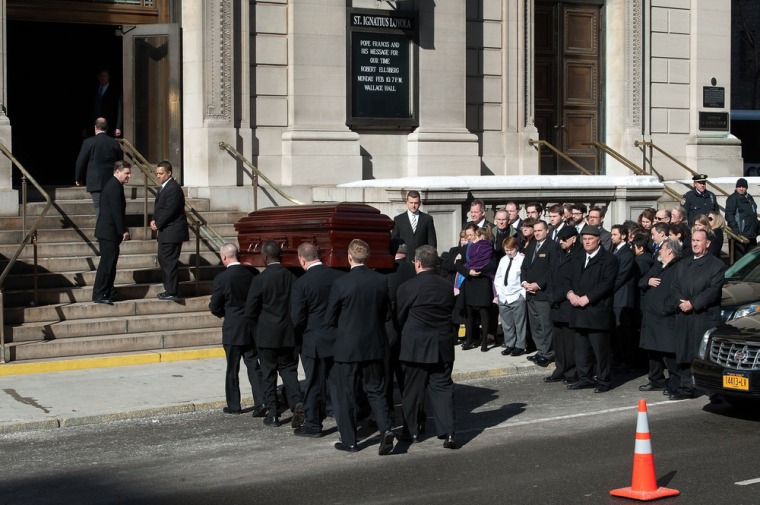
(381, 81)
(713, 97)
(713, 121)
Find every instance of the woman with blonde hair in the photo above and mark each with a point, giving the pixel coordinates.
(714, 235)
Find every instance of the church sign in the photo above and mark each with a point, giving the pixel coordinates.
(381, 87)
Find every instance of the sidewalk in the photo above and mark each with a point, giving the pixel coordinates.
(55, 394)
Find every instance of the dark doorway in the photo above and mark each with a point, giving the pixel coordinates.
(568, 82)
(52, 70)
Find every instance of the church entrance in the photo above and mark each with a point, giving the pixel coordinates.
(568, 81)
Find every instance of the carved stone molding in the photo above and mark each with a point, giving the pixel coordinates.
(217, 57)
(634, 59)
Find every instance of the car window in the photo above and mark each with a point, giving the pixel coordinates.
(747, 269)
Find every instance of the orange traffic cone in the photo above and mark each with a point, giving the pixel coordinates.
(644, 482)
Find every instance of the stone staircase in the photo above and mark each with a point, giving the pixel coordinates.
(63, 322)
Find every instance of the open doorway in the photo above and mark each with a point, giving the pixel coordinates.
(52, 69)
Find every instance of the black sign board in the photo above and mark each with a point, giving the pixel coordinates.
(713, 121)
(380, 80)
(713, 97)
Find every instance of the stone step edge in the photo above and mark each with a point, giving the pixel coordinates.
(100, 361)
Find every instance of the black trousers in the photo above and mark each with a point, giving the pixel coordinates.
(435, 379)
(279, 360)
(319, 380)
(589, 344)
(234, 354)
(471, 324)
(370, 375)
(106, 274)
(563, 340)
(168, 260)
(393, 369)
(658, 362)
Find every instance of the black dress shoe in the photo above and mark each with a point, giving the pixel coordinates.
(303, 432)
(681, 395)
(104, 301)
(532, 358)
(408, 438)
(259, 411)
(518, 351)
(580, 385)
(386, 443)
(552, 378)
(450, 442)
(484, 349)
(507, 349)
(272, 421)
(299, 416)
(542, 362)
(650, 387)
(467, 346)
(169, 296)
(344, 447)
(506, 352)
(601, 388)
(228, 410)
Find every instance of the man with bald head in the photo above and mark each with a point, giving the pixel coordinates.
(228, 301)
(308, 304)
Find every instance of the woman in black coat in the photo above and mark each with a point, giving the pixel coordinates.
(658, 327)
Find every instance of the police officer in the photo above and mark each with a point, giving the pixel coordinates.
(699, 200)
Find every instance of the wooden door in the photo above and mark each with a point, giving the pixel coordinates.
(567, 82)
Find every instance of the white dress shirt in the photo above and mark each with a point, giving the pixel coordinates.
(512, 291)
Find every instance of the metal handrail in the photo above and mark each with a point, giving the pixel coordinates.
(198, 223)
(31, 236)
(541, 143)
(255, 174)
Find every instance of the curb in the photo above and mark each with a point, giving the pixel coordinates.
(186, 408)
(109, 361)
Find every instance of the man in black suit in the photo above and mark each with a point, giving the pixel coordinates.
(171, 224)
(501, 231)
(536, 268)
(413, 227)
(593, 286)
(624, 346)
(95, 162)
(308, 304)
(478, 214)
(228, 301)
(111, 231)
(107, 102)
(268, 310)
(425, 304)
(358, 307)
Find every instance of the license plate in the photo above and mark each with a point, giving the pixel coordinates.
(736, 380)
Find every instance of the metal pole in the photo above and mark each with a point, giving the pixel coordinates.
(145, 208)
(255, 182)
(2, 328)
(36, 270)
(197, 257)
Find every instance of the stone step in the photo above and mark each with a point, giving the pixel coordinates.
(73, 235)
(135, 205)
(87, 220)
(89, 310)
(84, 346)
(110, 326)
(67, 249)
(80, 294)
(90, 263)
(123, 276)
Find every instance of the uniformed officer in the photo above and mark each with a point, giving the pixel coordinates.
(699, 200)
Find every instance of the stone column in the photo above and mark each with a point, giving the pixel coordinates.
(442, 145)
(317, 146)
(8, 196)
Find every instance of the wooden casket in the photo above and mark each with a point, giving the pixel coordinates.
(331, 227)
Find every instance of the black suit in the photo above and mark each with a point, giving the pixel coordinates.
(108, 106)
(561, 313)
(308, 305)
(423, 235)
(427, 349)
(404, 271)
(593, 322)
(358, 307)
(109, 230)
(169, 215)
(95, 164)
(268, 310)
(228, 301)
(625, 346)
(537, 267)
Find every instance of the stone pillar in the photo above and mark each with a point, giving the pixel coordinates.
(8, 196)
(716, 154)
(317, 146)
(442, 145)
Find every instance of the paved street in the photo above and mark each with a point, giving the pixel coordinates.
(523, 441)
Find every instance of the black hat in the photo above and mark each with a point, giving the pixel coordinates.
(699, 178)
(566, 232)
(590, 230)
(742, 183)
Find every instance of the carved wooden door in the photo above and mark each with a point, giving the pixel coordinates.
(567, 82)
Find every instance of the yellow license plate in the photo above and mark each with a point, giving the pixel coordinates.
(735, 381)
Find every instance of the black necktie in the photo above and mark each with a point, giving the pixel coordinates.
(506, 275)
